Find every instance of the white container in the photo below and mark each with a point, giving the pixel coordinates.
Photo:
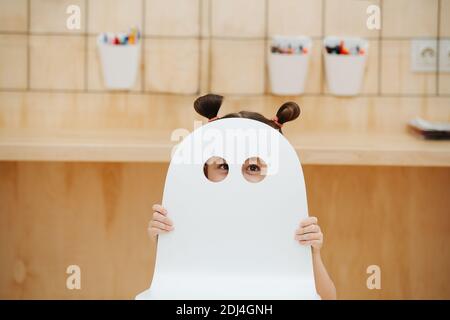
(345, 73)
(288, 71)
(119, 64)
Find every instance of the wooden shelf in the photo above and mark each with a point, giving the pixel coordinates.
(154, 146)
(118, 128)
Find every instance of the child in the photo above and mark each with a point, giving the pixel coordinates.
(216, 169)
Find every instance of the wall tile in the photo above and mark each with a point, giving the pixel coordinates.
(230, 66)
(205, 12)
(172, 17)
(348, 18)
(237, 66)
(295, 17)
(114, 15)
(13, 15)
(57, 62)
(371, 77)
(234, 18)
(444, 84)
(444, 31)
(409, 18)
(51, 16)
(13, 61)
(444, 77)
(315, 72)
(444, 28)
(396, 74)
(172, 65)
(205, 45)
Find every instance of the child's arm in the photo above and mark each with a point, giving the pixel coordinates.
(309, 233)
(324, 284)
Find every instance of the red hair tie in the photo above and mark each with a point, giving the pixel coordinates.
(212, 119)
(275, 120)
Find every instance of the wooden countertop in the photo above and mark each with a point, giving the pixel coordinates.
(153, 146)
(127, 132)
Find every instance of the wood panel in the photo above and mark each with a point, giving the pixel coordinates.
(395, 217)
(95, 215)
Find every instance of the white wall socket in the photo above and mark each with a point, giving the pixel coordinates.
(424, 55)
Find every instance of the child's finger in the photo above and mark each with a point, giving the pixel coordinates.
(162, 226)
(308, 221)
(155, 231)
(309, 242)
(309, 236)
(161, 218)
(159, 208)
(308, 229)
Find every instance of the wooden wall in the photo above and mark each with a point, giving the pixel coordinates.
(95, 215)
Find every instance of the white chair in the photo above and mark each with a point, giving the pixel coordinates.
(233, 239)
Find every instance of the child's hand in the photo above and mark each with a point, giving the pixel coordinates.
(160, 223)
(309, 233)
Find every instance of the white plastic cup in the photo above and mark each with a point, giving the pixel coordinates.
(288, 71)
(119, 64)
(344, 73)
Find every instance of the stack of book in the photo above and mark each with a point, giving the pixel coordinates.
(430, 130)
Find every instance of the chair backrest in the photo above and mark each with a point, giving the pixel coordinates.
(234, 238)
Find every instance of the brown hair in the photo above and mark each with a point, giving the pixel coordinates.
(209, 105)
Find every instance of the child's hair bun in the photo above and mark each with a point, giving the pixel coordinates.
(288, 111)
(208, 105)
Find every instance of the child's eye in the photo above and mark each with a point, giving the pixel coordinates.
(223, 166)
(253, 168)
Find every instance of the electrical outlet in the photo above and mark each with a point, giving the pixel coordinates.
(444, 55)
(423, 55)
